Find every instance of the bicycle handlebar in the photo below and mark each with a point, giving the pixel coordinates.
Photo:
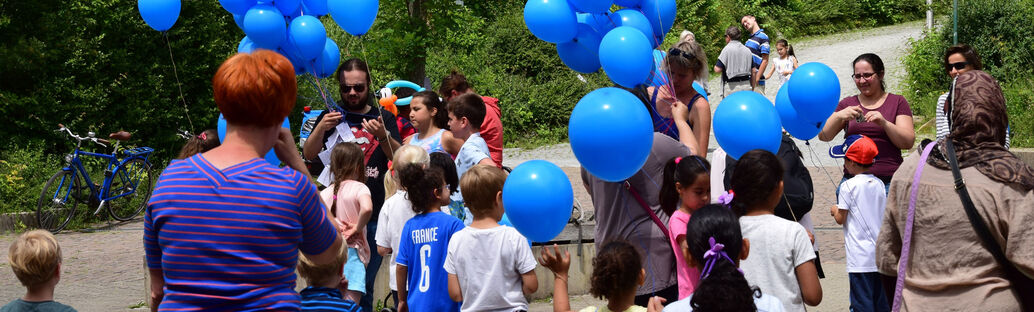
(101, 142)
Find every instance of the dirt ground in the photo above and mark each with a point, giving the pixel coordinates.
(103, 268)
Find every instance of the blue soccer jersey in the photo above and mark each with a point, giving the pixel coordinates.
(422, 249)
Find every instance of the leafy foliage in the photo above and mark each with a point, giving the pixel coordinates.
(999, 31)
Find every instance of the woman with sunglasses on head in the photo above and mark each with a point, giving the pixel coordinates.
(678, 110)
(883, 116)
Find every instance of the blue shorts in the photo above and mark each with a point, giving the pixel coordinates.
(355, 272)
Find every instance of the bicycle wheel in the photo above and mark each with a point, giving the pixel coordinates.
(131, 185)
(57, 202)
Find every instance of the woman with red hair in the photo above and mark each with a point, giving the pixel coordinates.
(224, 227)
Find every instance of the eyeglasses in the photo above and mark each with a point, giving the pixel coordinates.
(867, 76)
(348, 88)
(958, 66)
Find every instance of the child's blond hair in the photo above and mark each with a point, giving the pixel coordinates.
(480, 184)
(405, 155)
(35, 257)
(324, 273)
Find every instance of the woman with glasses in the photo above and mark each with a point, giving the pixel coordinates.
(885, 117)
(959, 58)
(676, 108)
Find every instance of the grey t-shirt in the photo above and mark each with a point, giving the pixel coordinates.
(735, 60)
(19, 305)
(619, 216)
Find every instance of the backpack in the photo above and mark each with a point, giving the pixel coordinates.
(798, 190)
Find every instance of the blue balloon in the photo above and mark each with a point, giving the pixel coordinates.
(601, 22)
(611, 133)
(628, 3)
(551, 20)
(288, 6)
(661, 14)
(270, 155)
(746, 120)
(538, 199)
(246, 46)
(327, 63)
(354, 16)
(814, 91)
(239, 20)
(265, 25)
(290, 16)
(159, 14)
(657, 76)
(700, 89)
(583, 53)
(308, 35)
(799, 128)
(636, 19)
(292, 54)
(237, 7)
(626, 56)
(314, 7)
(591, 6)
(404, 84)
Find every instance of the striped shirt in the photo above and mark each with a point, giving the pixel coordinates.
(229, 239)
(758, 45)
(323, 299)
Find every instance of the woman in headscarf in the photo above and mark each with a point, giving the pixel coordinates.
(950, 266)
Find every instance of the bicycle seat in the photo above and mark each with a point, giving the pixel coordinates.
(121, 136)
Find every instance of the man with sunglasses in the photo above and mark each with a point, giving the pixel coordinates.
(378, 140)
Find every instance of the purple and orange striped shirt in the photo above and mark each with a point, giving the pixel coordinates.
(229, 239)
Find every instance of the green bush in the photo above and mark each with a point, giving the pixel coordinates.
(999, 30)
(23, 171)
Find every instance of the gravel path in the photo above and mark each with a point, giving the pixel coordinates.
(103, 269)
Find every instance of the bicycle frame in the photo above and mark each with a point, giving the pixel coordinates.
(113, 165)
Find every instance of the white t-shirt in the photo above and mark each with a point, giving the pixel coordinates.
(779, 246)
(764, 304)
(864, 197)
(396, 210)
(489, 264)
(474, 149)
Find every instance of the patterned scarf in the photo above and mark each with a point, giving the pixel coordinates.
(978, 120)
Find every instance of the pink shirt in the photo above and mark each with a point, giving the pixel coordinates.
(346, 210)
(688, 276)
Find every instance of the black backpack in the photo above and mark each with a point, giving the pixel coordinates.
(798, 191)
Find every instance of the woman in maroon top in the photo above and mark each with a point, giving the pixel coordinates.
(876, 113)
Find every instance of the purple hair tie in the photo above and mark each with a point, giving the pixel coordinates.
(716, 253)
(726, 198)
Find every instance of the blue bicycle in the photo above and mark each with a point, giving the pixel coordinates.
(124, 192)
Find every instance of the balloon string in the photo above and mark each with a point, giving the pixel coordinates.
(380, 108)
(175, 73)
(823, 168)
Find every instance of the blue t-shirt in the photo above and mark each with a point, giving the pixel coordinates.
(422, 249)
(758, 45)
(323, 299)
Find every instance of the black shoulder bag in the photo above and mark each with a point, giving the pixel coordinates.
(1021, 284)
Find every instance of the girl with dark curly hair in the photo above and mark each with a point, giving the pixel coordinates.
(616, 273)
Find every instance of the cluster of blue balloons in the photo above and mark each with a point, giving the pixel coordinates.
(289, 27)
(747, 120)
(589, 36)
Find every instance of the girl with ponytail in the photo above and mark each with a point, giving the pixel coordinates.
(783, 267)
(715, 246)
(687, 187)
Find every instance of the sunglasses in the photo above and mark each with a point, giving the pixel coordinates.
(678, 52)
(348, 88)
(867, 76)
(958, 66)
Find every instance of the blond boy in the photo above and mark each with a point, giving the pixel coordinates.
(324, 285)
(35, 258)
(490, 266)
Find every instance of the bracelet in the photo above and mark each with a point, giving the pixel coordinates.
(557, 276)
